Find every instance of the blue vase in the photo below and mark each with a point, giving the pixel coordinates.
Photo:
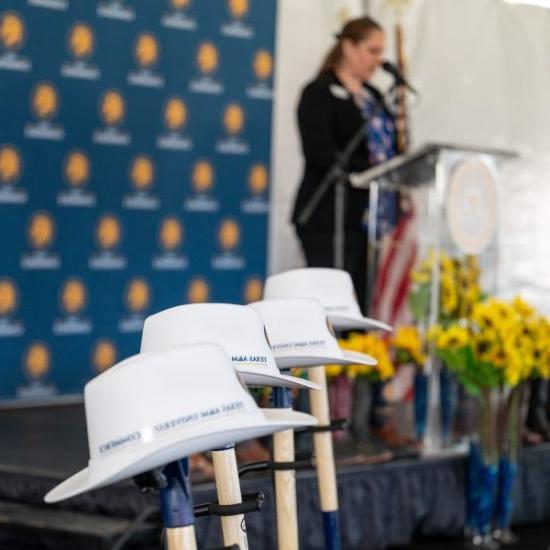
(485, 498)
(507, 470)
(508, 464)
(481, 484)
(472, 468)
(449, 394)
(420, 404)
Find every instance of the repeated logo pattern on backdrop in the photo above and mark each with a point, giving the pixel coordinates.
(134, 174)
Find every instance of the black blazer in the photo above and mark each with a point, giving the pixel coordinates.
(328, 118)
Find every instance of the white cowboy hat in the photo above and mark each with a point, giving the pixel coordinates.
(332, 287)
(301, 336)
(238, 329)
(155, 408)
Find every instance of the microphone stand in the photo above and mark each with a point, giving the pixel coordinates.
(336, 176)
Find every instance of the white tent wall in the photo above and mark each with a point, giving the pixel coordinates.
(483, 70)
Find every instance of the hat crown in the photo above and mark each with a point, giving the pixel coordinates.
(238, 329)
(332, 287)
(149, 395)
(296, 324)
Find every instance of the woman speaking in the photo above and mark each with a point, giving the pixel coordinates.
(332, 109)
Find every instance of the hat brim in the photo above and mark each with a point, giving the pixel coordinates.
(252, 377)
(136, 460)
(347, 357)
(348, 322)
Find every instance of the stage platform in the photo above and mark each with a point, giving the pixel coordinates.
(382, 506)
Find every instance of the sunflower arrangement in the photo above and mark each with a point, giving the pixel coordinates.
(533, 340)
(459, 287)
(408, 346)
(371, 344)
(501, 344)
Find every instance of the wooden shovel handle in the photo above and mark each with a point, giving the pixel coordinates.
(324, 453)
(181, 538)
(285, 492)
(229, 492)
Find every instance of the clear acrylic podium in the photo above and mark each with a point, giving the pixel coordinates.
(456, 194)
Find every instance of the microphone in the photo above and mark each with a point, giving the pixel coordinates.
(398, 77)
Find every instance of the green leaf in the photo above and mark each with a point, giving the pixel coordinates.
(402, 356)
(419, 301)
(471, 388)
(456, 360)
(480, 374)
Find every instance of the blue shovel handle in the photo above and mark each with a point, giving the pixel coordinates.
(176, 498)
(331, 528)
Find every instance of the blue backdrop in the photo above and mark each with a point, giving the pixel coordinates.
(134, 162)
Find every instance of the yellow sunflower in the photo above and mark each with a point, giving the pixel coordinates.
(407, 338)
(512, 375)
(455, 337)
(484, 344)
(421, 276)
(376, 347)
(499, 357)
(483, 316)
(446, 263)
(434, 332)
(522, 307)
(332, 371)
(449, 295)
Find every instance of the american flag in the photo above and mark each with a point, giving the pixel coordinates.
(397, 257)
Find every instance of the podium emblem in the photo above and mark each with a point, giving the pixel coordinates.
(472, 206)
